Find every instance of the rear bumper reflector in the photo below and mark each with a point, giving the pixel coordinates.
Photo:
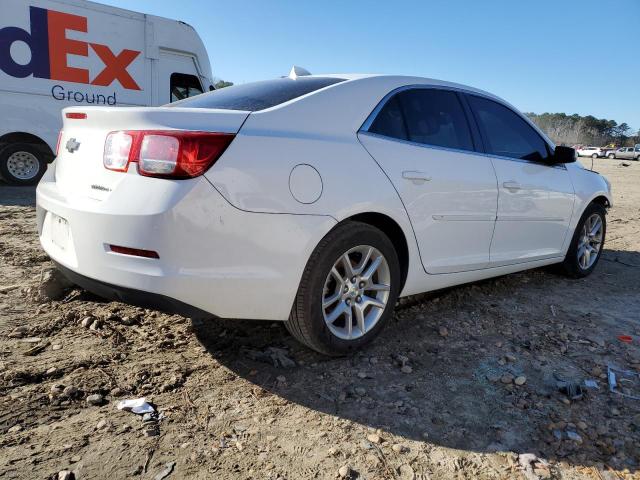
(136, 252)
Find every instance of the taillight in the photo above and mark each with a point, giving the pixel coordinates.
(165, 153)
(58, 143)
(117, 151)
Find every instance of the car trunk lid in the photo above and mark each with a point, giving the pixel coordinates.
(79, 164)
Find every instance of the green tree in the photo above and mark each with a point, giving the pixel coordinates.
(219, 83)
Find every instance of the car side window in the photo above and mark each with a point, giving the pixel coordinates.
(390, 121)
(435, 117)
(506, 133)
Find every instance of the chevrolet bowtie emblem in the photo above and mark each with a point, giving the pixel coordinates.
(72, 145)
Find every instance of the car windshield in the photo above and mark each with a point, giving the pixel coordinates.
(257, 96)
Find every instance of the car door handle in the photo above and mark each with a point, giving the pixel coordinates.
(512, 185)
(416, 176)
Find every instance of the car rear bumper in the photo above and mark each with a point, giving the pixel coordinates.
(213, 257)
(132, 296)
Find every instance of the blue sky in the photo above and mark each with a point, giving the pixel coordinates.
(573, 56)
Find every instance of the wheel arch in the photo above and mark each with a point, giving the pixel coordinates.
(391, 229)
(25, 137)
(602, 200)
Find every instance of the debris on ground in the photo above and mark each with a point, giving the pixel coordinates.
(278, 357)
(168, 468)
(54, 285)
(66, 475)
(139, 406)
(624, 382)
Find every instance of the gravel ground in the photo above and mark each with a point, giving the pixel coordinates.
(462, 384)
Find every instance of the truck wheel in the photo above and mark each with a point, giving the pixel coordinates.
(348, 290)
(22, 164)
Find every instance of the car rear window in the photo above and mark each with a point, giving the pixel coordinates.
(257, 95)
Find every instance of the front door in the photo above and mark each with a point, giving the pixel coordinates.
(535, 199)
(422, 140)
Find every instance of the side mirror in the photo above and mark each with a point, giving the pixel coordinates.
(563, 155)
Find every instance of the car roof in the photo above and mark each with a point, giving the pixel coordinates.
(409, 80)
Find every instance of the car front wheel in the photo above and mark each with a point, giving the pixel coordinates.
(587, 242)
(611, 156)
(348, 290)
(595, 155)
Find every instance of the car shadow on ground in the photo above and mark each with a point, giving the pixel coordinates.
(464, 347)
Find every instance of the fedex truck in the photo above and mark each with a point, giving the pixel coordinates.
(57, 53)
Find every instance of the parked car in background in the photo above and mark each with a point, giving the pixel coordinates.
(57, 53)
(315, 200)
(627, 153)
(593, 152)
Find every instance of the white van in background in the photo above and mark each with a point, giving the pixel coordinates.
(57, 53)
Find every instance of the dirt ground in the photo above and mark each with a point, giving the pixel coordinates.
(462, 384)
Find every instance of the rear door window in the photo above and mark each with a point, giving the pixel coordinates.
(435, 117)
(506, 133)
(390, 121)
(258, 95)
(427, 116)
(183, 86)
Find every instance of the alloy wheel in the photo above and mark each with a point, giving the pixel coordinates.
(356, 292)
(590, 241)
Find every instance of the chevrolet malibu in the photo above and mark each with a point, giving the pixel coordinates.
(314, 200)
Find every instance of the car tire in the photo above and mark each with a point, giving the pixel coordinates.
(574, 265)
(22, 164)
(313, 320)
(611, 156)
(594, 156)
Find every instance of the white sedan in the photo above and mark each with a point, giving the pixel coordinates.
(315, 200)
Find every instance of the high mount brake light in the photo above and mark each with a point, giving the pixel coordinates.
(165, 153)
(76, 115)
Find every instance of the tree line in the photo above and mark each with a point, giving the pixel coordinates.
(574, 129)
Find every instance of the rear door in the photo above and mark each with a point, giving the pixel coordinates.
(535, 199)
(422, 140)
(629, 153)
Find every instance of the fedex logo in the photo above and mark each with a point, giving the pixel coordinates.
(50, 46)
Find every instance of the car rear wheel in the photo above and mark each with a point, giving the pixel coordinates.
(348, 290)
(587, 242)
(22, 164)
